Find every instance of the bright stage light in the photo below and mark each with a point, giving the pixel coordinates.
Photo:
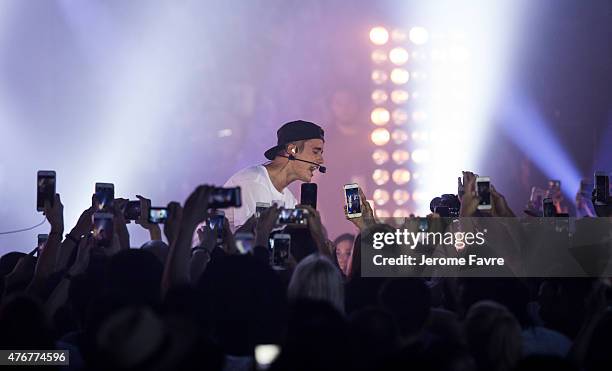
(418, 35)
(401, 196)
(399, 76)
(401, 176)
(459, 54)
(399, 96)
(380, 116)
(399, 136)
(379, 77)
(379, 96)
(420, 156)
(379, 56)
(380, 136)
(380, 176)
(400, 156)
(398, 56)
(380, 156)
(381, 197)
(379, 36)
(399, 116)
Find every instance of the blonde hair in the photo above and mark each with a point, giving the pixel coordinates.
(494, 336)
(317, 278)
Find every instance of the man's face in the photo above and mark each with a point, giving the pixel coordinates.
(313, 152)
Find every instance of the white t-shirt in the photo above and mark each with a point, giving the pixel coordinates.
(256, 186)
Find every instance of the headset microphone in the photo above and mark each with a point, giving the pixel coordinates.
(321, 168)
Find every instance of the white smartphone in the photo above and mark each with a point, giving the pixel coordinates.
(265, 355)
(45, 188)
(483, 189)
(352, 200)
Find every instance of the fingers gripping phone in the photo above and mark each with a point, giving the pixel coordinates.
(483, 189)
(352, 200)
(45, 188)
(132, 210)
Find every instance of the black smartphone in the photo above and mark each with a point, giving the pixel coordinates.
(308, 194)
(281, 246)
(225, 197)
(548, 208)
(103, 228)
(105, 194)
(131, 211)
(293, 217)
(602, 188)
(45, 188)
(215, 222)
(158, 215)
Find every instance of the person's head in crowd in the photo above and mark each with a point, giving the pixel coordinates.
(23, 324)
(136, 338)
(16, 271)
(508, 291)
(493, 335)
(542, 362)
(316, 278)
(157, 248)
(561, 304)
(373, 336)
(409, 302)
(317, 338)
(599, 356)
(246, 303)
(343, 245)
(136, 276)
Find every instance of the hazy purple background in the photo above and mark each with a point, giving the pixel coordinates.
(158, 97)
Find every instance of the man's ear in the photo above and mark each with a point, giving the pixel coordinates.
(291, 149)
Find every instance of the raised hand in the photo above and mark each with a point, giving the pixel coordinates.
(143, 221)
(317, 231)
(119, 223)
(469, 201)
(173, 223)
(367, 214)
(196, 206)
(82, 259)
(55, 214)
(499, 205)
(265, 224)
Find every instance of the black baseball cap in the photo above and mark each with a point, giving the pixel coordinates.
(292, 132)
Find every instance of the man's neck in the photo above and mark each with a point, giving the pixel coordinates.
(279, 174)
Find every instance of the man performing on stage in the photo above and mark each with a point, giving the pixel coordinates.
(297, 154)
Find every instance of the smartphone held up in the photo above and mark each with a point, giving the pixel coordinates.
(352, 200)
(45, 188)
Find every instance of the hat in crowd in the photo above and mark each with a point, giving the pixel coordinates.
(292, 132)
